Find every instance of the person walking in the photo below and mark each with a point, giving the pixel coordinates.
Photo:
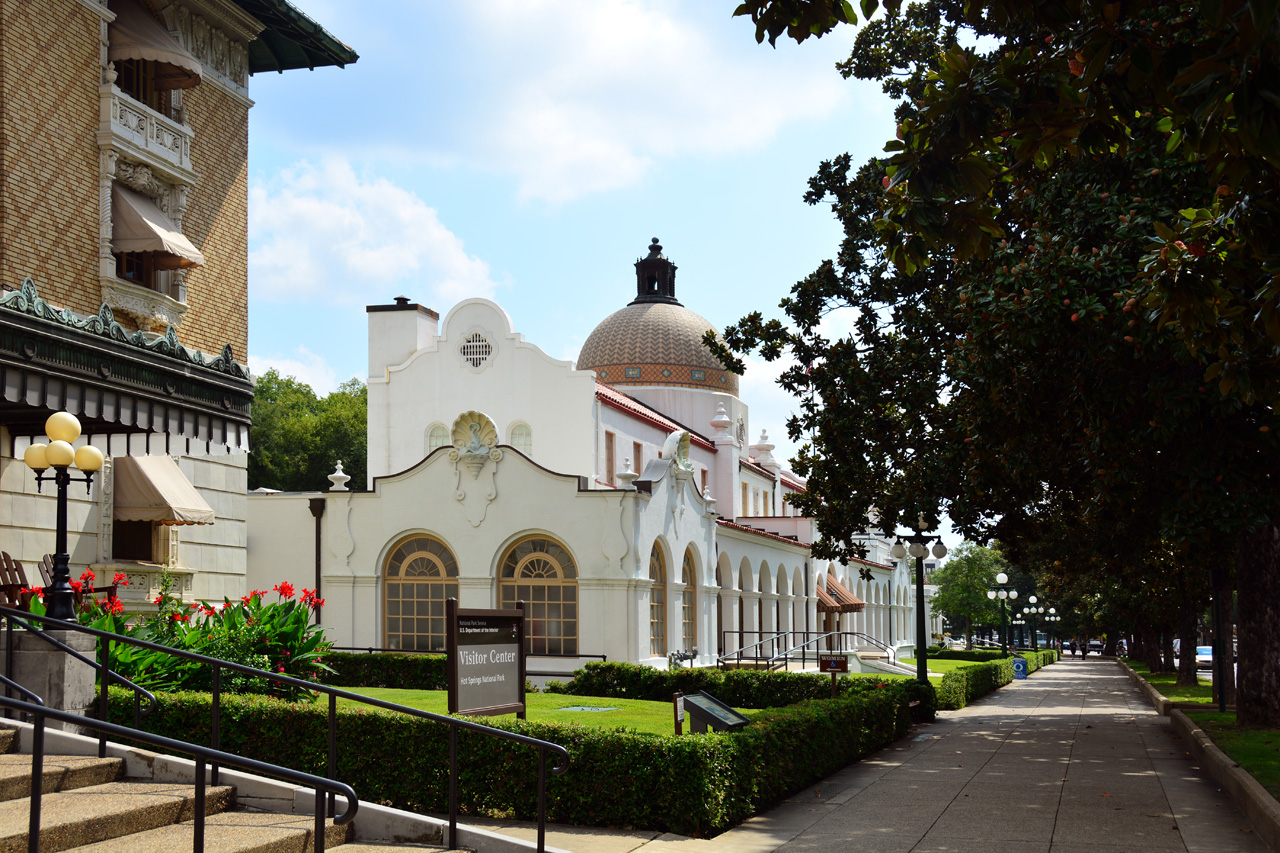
(1072, 646)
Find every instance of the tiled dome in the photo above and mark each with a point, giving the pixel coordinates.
(655, 340)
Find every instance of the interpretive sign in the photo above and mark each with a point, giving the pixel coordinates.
(485, 650)
(1019, 668)
(707, 712)
(677, 705)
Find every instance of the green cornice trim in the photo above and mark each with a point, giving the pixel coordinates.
(27, 300)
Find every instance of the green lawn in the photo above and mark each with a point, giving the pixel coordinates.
(653, 718)
(1256, 750)
(1167, 685)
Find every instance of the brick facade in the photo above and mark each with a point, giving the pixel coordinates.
(216, 221)
(49, 73)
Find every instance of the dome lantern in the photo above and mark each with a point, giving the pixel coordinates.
(655, 277)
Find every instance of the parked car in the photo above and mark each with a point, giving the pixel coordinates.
(1095, 647)
(1204, 657)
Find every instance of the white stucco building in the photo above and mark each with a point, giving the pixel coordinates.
(619, 498)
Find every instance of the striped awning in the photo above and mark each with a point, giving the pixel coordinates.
(841, 600)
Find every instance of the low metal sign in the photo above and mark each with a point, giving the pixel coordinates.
(1019, 668)
(708, 712)
(486, 666)
(832, 662)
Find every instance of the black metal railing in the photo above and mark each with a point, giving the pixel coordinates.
(772, 651)
(38, 713)
(106, 638)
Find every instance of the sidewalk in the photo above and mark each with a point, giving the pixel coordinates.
(1072, 760)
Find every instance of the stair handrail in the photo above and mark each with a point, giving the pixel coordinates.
(738, 652)
(138, 692)
(334, 694)
(204, 755)
(889, 651)
(783, 655)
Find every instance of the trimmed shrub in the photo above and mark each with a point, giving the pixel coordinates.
(961, 686)
(741, 688)
(405, 671)
(694, 785)
(975, 655)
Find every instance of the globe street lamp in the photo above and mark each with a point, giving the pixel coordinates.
(1003, 592)
(1052, 619)
(63, 429)
(1019, 621)
(1032, 611)
(917, 546)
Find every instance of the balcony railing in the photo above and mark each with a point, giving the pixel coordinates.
(145, 129)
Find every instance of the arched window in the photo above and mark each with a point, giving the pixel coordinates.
(657, 603)
(437, 437)
(521, 439)
(421, 573)
(688, 608)
(542, 574)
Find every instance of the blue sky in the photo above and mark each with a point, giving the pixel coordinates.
(527, 151)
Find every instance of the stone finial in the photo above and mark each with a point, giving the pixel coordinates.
(720, 422)
(627, 476)
(339, 479)
(762, 451)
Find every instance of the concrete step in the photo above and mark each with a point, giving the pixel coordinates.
(8, 739)
(96, 813)
(230, 832)
(61, 773)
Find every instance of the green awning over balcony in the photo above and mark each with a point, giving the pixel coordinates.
(291, 39)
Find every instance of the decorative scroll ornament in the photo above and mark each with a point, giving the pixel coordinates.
(475, 438)
(27, 301)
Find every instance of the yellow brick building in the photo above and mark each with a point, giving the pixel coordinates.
(124, 265)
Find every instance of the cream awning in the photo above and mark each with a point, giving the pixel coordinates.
(135, 34)
(137, 225)
(152, 488)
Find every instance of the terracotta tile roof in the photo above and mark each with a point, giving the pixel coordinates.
(751, 466)
(791, 481)
(624, 403)
(724, 522)
(871, 563)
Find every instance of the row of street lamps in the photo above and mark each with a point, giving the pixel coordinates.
(1004, 592)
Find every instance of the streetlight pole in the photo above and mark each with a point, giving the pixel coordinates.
(1033, 610)
(1003, 592)
(62, 429)
(918, 546)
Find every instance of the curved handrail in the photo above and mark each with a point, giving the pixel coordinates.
(203, 754)
(334, 693)
(62, 623)
(24, 691)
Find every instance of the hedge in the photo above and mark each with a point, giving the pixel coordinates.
(406, 671)
(961, 686)
(693, 785)
(741, 688)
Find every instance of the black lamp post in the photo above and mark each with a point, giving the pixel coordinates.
(1003, 592)
(1052, 619)
(1032, 611)
(63, 429)
(918, 545)
(1019, 622)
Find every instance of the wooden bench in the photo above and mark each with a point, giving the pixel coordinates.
(13, 580)
(46, 572)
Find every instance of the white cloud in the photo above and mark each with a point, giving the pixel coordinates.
(325, 234)
(771, 406)
(590, 95)
(301, 364)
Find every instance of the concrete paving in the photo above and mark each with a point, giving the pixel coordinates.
(1072, 760)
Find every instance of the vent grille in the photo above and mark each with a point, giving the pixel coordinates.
(476, 349)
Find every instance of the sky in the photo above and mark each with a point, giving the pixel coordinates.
(527, 151)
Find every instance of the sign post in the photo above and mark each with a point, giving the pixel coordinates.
(486, 668)
(835, 664)
(677, 705)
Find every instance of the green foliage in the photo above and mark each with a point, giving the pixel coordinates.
(962, 685)
(402, 671)
(298, 438)
(693, 785)
(963, 582)
(740, 688)
(276, 637)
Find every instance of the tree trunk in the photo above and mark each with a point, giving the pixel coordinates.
(1166, 648)
(1136, 647)
(1187, 645)
(1151, 650)
(1258, 582)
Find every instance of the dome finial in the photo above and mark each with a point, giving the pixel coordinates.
(655, 248)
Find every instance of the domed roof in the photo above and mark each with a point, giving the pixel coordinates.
(655, 340)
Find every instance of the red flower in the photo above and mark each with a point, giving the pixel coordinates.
(280, 668)
(77, 586)
(88, 576)
(309, 598)
(116, 606)
(180, 617)
(159, 598)
(121, 579)
(284, 588)
(193, 605)
(209, 611)
(37, 591)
